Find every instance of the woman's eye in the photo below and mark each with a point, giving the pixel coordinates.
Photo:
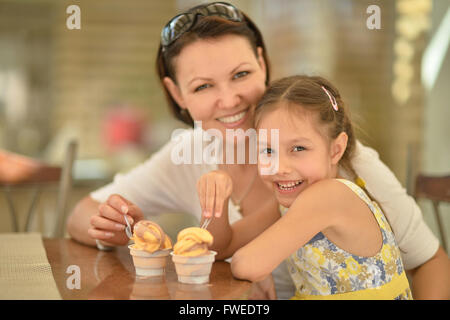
(298, 148)
(202, 87)
(241, 74)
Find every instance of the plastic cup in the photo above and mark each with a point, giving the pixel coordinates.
(149, 264)
(193, 270)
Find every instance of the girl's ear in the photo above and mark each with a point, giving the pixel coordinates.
(261, 61)
(338, 147)
(174, 91)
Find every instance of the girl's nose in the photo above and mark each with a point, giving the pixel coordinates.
(284, 167)
(228, 98)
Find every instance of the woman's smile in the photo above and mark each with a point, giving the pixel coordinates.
(234, 120)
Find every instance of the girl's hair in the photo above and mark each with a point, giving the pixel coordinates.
(206, 27)
(307, 93)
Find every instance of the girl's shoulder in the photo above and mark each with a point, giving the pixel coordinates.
(335, 195)
(333, 188)
(325, 204)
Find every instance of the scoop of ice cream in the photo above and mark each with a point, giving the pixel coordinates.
(150, 237)
(193, 242)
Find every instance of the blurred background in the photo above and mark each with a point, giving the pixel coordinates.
(98, 84)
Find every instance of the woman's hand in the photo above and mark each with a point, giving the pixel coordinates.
(263, 290)
(108, 225)
(214, 190)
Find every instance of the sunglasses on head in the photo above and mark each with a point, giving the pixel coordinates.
(183, 22)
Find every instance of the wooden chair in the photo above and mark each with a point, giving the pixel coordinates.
(436, 189)
(17, 171)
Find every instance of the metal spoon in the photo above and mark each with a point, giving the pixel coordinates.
(128, 228)
(205, 223)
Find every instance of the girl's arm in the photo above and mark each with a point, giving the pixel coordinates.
(229, 238)
(307, 216)
(214, 189)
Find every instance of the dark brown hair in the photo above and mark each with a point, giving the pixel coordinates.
(306, 93)
(205, 28)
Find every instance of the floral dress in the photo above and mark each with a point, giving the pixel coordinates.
(321, 270)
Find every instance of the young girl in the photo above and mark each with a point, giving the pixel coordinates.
(336, 240)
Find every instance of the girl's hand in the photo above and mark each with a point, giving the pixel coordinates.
(214, 188)
(108, 225)
(263, 290)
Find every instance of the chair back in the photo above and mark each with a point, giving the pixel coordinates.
(21, 172)
(436, 189)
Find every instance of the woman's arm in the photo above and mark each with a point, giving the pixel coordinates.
(78, 222)
(431, 280)
(156, 186)
(418, 245)
(91, 221)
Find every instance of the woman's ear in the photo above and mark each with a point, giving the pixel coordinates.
(174, 91)
(338, 147)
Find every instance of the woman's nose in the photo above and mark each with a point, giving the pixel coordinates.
(228, 98)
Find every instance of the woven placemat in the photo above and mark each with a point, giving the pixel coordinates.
(25, 273)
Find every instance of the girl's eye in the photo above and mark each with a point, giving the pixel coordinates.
(241, 74)
(298, 148)
(202, 87)
(267, 151)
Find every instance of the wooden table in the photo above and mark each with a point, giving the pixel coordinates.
(111, 275)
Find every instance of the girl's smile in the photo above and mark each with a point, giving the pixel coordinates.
(286, 187)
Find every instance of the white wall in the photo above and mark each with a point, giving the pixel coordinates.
(436, 157)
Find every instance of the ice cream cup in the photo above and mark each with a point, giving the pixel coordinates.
(149, 264)
(193, 270)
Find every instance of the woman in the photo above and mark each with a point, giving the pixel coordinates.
(213, 65)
